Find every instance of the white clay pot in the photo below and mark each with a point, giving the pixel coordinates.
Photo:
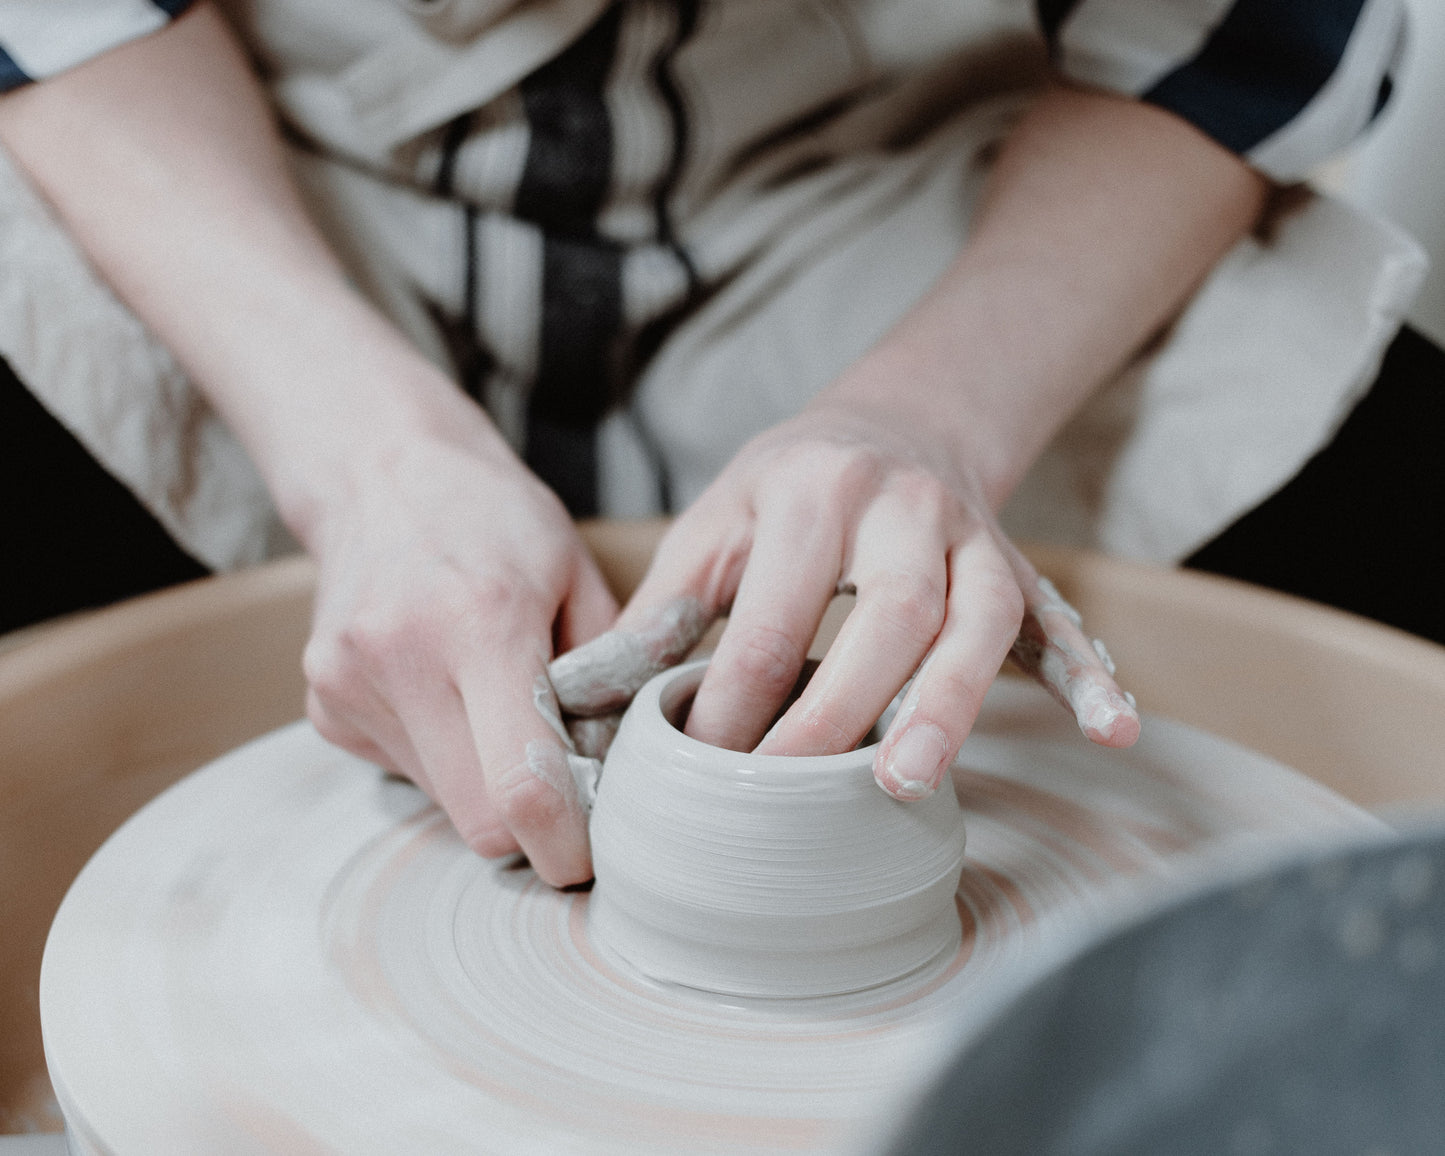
(764, 875)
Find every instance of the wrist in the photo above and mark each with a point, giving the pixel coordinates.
(939, 412)
(326, 468)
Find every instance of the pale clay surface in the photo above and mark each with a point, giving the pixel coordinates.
(760, 875)
(289, 951)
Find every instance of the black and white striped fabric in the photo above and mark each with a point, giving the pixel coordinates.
(561, 226)
(572, 262)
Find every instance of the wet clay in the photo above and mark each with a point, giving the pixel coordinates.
(764, 875)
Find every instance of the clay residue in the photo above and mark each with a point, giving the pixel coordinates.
(1094, 707)
(544, 698)
(593, 736)
(601, 676)
(883, 771)
(571, 774)
(1105, 657)
(552, 764)
(586, 774)
(1054, 603)
(1048, 654)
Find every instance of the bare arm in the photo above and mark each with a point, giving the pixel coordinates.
(163, 161)
(444, 564)
(1101, 217)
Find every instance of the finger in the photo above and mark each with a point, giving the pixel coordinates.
(691, 579)
(523, 750)
(1053, 649)
(984, 609)
(588, 610)
(791, 575)
(349, 736)
(439, 730)
(901, 578)
(395, 755)
(347, 710)
(702, 556)
(601, 676)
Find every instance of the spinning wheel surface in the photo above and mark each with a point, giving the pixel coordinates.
(290, 952)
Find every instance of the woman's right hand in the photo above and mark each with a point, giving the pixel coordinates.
(448, 575)
(447, 572)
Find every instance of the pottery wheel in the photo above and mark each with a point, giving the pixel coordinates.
(289, 951)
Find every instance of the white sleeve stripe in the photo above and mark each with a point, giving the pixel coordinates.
(1127, 46)
(1347, 102)
(44, 37)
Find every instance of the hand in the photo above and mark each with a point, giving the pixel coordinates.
(445, 578)
(840, 497)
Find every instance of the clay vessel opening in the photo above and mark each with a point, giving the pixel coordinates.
(676, 703)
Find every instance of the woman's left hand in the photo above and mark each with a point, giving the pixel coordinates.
(844, 498)
(1100, 217)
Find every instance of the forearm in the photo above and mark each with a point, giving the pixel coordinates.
(163, 161)
(1100, 218)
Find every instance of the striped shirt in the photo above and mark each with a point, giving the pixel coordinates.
(540, 191)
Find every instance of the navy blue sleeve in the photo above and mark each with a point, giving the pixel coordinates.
(1283, 83)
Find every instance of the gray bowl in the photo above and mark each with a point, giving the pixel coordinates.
(1299, 1010)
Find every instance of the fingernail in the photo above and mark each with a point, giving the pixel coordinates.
(915, 766)
(552, 764)
(586, 773)
(544, 698)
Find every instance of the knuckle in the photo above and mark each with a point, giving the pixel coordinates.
(329, 675)
(767, 658)
(912, 604)
(486, 837)
(959, 696)
(855, 468)
(525, 802)
(833, 469)
(394, 630)
(829, 732)
(373, 640)
(998, 599)
(921, 489)
(487, 596)
(481, 828)
(932, 504)
(849, 472)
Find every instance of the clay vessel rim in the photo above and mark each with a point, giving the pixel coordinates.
(664, 693)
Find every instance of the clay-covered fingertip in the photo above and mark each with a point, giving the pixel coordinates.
(1119, 730)
(1127, 730)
